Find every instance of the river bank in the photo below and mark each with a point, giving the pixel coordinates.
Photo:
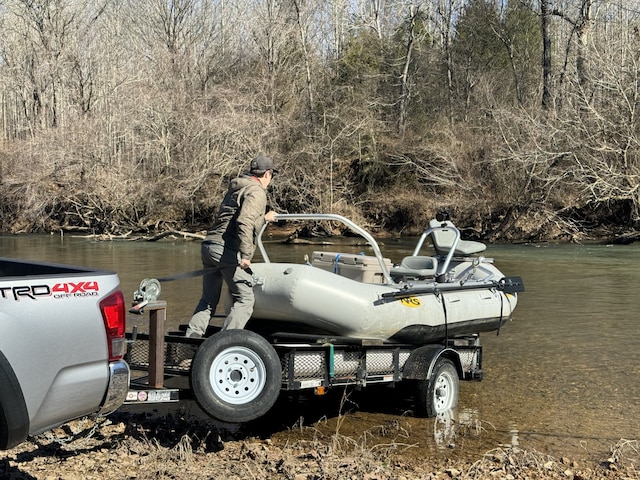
(291, 234)
(144, 446)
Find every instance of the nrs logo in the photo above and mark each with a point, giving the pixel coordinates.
(411, 302)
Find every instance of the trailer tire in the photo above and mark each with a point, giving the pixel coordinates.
(439, 393)
(236, 376)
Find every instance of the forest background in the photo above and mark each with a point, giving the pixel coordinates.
(520, 117)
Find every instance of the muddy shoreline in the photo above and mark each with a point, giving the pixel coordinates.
(145, 445)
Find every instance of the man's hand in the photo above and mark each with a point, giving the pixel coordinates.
(245, 263)
(271, 216)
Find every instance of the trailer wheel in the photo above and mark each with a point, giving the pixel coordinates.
(236, 376)
(439, 392)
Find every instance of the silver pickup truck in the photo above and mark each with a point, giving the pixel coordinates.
(62, 339)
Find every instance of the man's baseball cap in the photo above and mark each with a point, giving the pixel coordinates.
(262, 163)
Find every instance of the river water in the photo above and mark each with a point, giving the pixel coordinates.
(562, 378)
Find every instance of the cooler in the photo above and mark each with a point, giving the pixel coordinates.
(362, 268)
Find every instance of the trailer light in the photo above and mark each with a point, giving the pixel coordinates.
(114, 317)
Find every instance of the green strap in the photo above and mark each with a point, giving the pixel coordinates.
(331, 361)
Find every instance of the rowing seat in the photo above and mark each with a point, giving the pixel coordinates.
(415, 268)
(443, 240)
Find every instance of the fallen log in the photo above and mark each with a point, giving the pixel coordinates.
(167, 233)
(625, 238)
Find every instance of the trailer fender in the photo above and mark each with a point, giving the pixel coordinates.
(14, 417)
(421, 362)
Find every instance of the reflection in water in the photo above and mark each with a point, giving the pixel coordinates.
(562, 377)
(444, 432)
(514, 435)
(453, 423)
(449, 428)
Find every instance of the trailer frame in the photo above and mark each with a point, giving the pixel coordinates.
(309, 362)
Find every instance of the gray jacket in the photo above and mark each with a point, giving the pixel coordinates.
(239, 220)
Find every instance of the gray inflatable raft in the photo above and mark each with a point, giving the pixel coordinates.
(453, 292)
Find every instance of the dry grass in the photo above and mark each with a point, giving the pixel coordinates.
(173, 447)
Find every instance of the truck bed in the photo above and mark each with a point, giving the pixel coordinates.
(61, 346)
(20, 268)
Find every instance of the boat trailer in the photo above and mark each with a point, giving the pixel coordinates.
(161, 363)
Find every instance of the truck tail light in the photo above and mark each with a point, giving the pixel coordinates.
(114, 316)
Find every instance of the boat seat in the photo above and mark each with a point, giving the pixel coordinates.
(415, 267)
(443, 240)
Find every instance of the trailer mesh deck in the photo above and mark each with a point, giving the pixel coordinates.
(178, 354)
(307, 365)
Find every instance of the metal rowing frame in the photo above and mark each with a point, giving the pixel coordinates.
(367, 236)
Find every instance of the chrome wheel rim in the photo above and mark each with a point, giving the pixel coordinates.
(237, 375)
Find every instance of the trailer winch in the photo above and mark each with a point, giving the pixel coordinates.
(148, 291)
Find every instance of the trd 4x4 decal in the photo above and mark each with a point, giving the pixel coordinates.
(59, 290)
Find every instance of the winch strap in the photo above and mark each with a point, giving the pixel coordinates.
(191, 274)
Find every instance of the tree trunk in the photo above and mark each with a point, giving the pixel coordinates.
(404, 85)
(546, 55)
(583, 29)
(307, 64)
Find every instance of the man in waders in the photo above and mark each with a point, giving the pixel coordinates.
(229, 247)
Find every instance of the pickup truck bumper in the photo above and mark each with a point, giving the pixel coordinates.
(119, 375)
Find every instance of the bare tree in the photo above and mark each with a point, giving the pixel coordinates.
(404, 76)
(582, 22)
(546, 53)
(303, 19)
(38, 39)
(445, 14)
